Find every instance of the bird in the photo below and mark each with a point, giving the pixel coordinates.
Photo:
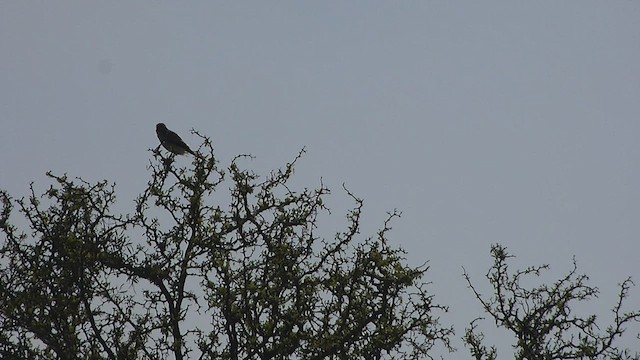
(172, 141)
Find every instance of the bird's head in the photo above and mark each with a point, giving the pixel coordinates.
(161, 126)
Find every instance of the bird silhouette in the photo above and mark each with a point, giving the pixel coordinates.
(172, 141)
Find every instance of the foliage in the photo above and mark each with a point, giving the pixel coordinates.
(542, 319)
(197, 271)
(223, 263)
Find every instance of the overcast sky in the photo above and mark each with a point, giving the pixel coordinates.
(483, 122)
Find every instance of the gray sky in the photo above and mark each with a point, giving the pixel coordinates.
(483, 122)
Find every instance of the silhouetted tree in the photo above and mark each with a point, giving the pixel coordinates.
(541, 318)
(211, 264)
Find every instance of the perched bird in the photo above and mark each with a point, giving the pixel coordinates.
(171, 141)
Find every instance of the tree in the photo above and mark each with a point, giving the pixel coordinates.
(541, 318)
(196, 271)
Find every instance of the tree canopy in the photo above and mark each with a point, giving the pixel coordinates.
(541, 318)
(188, 276)
(219, 262)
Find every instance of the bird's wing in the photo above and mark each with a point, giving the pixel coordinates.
(171, 136)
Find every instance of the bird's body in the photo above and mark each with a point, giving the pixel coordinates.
(172, 141)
